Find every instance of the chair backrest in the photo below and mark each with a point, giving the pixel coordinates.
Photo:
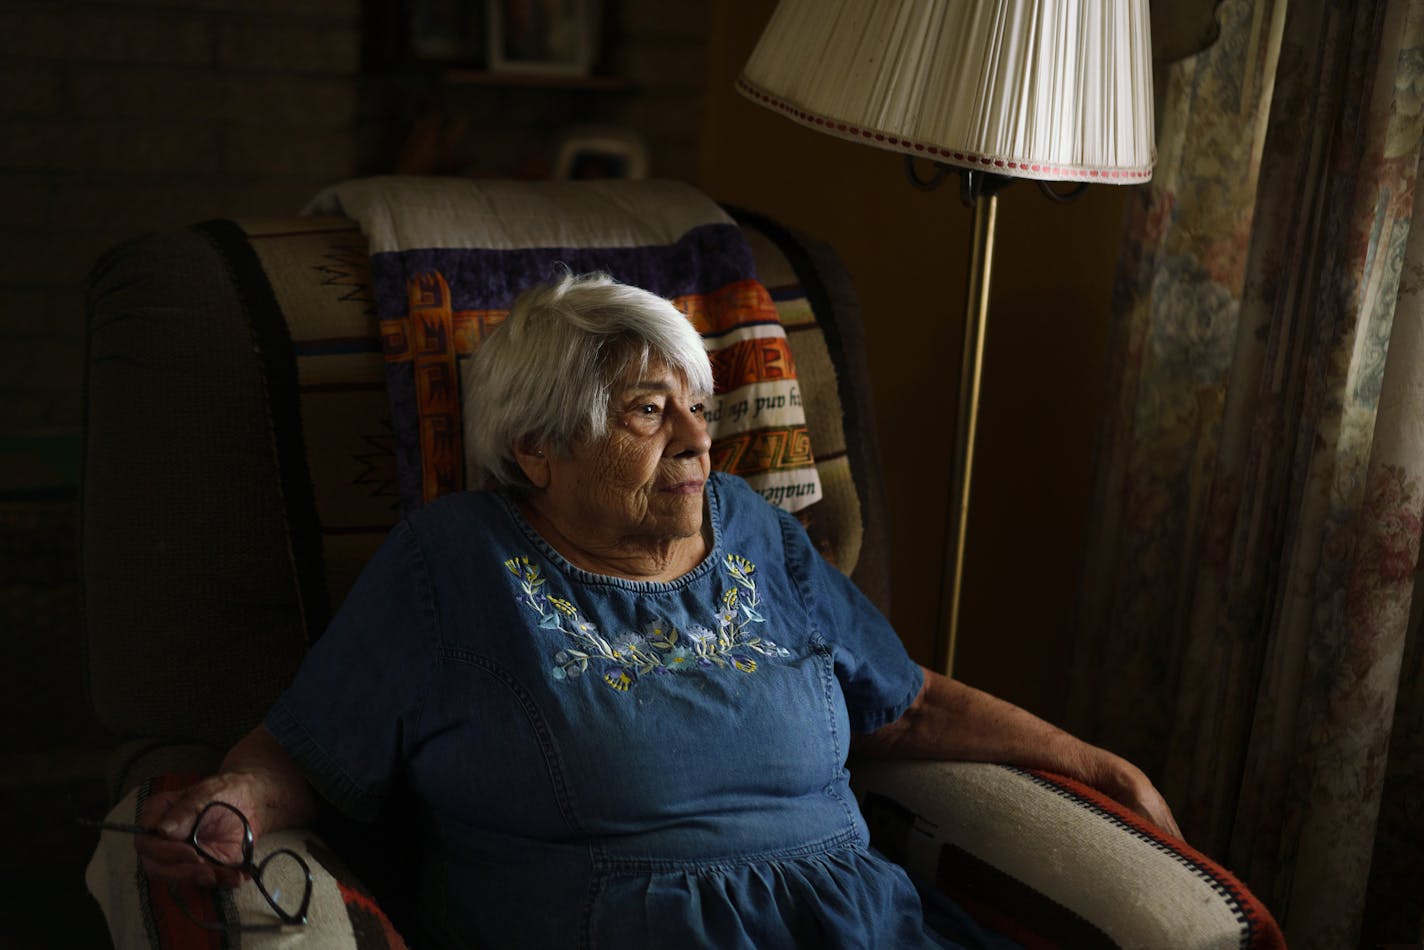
(239, 467)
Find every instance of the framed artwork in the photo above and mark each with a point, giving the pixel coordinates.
(555, 37)
(448, 30)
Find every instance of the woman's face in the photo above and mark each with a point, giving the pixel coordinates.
(642, 483)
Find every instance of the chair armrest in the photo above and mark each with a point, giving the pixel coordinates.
(1049, 862)
(143, 916)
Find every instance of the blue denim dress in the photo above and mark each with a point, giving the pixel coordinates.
(604, 762)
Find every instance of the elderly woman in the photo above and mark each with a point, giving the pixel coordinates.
(620, 687)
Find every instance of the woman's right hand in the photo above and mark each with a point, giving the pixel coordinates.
(258, 778)
(168, 857)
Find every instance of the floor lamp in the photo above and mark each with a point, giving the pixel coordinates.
(1050, 90)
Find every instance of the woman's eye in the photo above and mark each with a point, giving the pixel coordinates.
(697, 408)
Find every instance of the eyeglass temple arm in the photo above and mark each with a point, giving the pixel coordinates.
(120, 826)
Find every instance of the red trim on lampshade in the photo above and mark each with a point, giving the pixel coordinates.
(967, 159)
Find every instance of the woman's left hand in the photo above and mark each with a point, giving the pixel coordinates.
(951, 721)
(1127, 785)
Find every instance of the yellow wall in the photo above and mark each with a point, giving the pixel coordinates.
(1043, 394)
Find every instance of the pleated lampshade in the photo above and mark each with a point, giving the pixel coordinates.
(1058, 90)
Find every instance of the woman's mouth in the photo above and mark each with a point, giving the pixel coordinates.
(692, 486)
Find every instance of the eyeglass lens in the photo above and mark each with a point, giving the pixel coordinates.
(223, 836)
(286, 882)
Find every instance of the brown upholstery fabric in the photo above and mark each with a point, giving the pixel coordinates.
(839, 412)
(192, 611)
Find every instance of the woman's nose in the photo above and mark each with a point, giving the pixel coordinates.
(689, 437)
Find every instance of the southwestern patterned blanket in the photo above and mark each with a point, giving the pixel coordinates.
(449, 256)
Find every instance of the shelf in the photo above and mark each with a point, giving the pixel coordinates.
(482, 77)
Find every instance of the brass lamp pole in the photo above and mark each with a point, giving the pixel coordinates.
(980, 192)
(976, 320)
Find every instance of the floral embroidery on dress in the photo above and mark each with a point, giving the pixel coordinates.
(659, 647)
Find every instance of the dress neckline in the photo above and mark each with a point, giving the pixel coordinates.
(592, 578)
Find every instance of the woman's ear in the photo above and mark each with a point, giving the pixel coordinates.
(533, 462)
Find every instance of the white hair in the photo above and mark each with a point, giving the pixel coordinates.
(544, 377)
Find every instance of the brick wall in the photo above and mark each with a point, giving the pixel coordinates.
(662, 48)
(120, 116)
(123, 116)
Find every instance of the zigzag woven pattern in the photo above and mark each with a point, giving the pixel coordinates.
(757, 423)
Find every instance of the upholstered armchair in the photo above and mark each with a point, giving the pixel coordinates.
(242, 462)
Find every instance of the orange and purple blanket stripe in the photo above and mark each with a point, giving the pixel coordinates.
(738, 321)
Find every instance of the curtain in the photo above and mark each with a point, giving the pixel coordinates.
(1248, 629)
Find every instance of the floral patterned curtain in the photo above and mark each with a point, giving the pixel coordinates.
(1249, 629)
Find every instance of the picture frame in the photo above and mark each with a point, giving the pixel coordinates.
(549, 37)
(451, 31)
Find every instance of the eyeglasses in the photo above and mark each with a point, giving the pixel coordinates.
(283, 877)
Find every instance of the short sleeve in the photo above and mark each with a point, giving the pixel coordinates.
(878, 678)
(350, 715)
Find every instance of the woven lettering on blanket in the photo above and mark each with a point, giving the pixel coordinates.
(437, 305)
